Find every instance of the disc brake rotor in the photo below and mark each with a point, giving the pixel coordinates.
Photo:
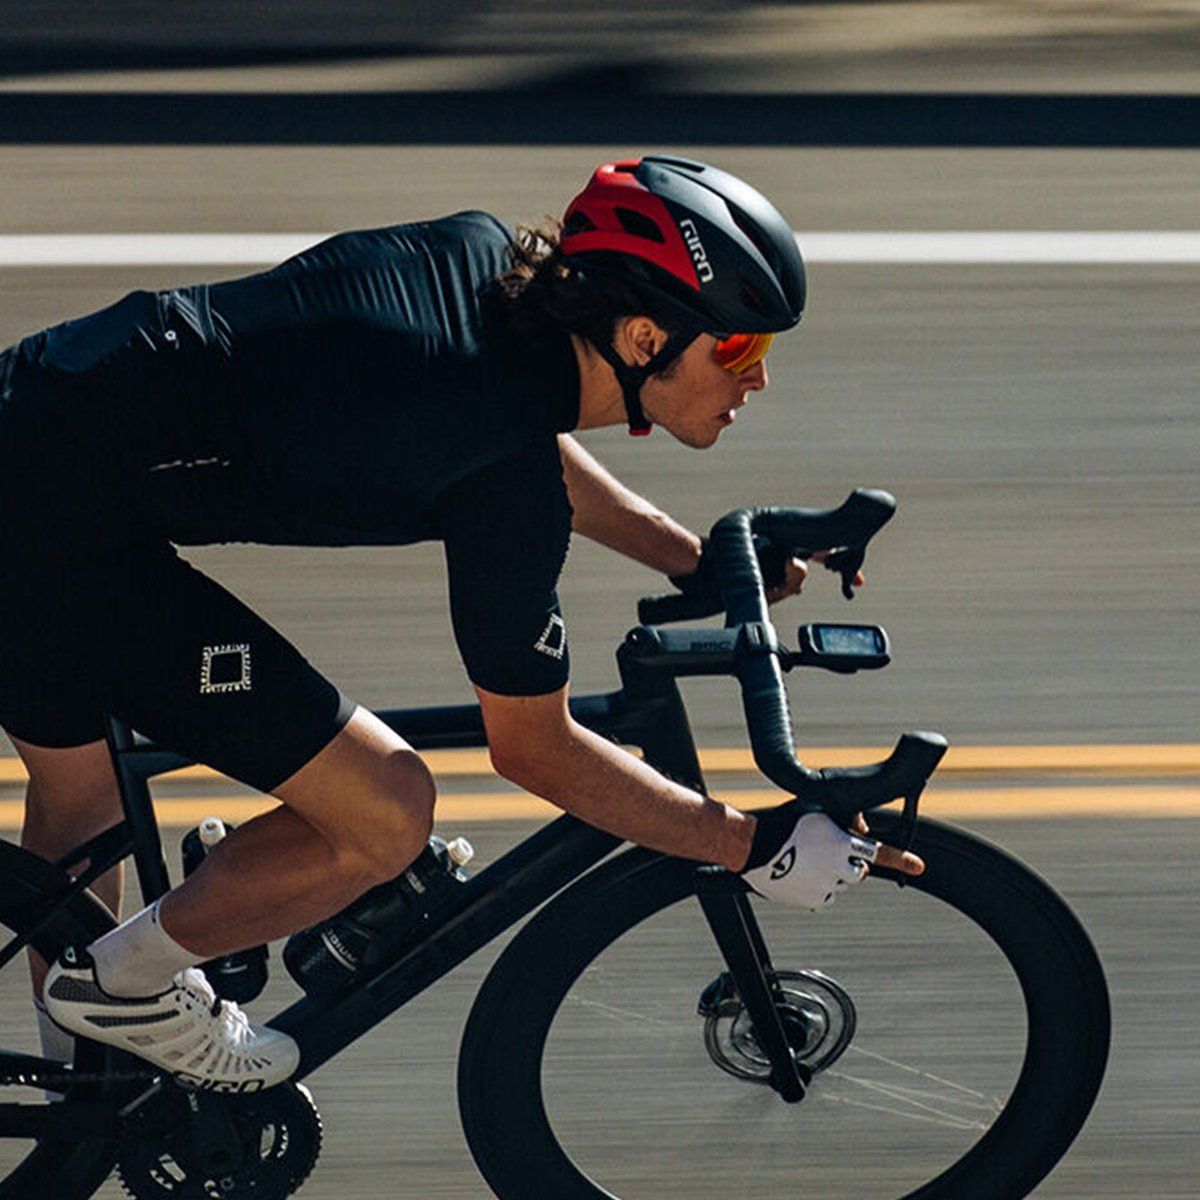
(817, 1015)
(183, 1145)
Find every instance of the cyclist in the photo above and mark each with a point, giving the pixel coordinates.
(386, 386)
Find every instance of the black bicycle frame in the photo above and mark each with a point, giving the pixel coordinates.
(647, 712)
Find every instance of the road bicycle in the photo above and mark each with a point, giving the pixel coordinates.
(654, 1029)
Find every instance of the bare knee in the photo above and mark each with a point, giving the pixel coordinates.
(72, 795)
(370, 797)
(66, 803)
(387, 824)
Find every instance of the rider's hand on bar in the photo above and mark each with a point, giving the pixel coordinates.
(903, 861)
(822, 555)
(796, 572)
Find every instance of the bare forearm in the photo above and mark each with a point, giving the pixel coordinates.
(603, 785)
(608, 512)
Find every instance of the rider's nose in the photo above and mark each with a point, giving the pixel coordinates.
(755, 378)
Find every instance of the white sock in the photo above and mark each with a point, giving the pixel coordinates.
(139, 957)
(56, 1043)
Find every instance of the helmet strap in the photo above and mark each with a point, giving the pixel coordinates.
(632, 378)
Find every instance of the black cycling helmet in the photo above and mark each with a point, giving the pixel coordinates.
(708, 245)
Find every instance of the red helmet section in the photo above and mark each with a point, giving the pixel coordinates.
(613, 187)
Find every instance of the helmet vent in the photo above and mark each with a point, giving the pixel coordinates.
(682, 164)
(753, 235)
(639, 225)
(752, 299)
(578, 222)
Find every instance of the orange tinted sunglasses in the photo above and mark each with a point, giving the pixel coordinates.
(741, 351)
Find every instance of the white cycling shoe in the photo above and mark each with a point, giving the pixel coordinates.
(206, 1043)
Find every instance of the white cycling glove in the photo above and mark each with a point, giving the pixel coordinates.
(816, 861)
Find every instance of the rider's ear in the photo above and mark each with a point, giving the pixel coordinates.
(639, 339)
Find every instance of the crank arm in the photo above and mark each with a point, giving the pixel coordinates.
(65, 1121)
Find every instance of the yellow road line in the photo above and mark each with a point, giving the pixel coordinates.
(1158, 760)
(966, 804)
(956, 804)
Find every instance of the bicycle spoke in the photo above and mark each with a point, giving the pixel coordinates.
(914, 1104)
(944, 1120)
(60, 1150)
(621, 1015)
(918, 1018)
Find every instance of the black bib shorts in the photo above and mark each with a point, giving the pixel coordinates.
(139, 632)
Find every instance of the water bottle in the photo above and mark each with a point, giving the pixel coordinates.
(375, 928)
(240, 976)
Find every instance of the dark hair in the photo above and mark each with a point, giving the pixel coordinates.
(542, 294)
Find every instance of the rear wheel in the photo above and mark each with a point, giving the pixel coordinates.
(36, 1158)
(957, 1029)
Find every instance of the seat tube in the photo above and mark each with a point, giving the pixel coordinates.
(138, 806)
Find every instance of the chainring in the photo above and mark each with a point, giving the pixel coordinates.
(187, 1145)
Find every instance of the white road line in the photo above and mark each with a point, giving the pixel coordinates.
(1006, 247)
(151, 249)
(259, 249)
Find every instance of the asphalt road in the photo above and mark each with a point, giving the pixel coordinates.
(1039, 428)
(390, 1109)
(641, 1103)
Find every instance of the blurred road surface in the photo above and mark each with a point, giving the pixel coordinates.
(389, 1106)
(689, 45)
(1037, 424)
(1039, 427)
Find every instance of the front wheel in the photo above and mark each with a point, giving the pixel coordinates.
(968, 1012)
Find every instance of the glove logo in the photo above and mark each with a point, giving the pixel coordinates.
(783, 866)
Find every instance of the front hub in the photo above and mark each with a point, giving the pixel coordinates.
(816, 1013)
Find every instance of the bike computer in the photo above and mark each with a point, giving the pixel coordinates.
(844, 648)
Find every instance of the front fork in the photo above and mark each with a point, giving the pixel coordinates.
(722, 896)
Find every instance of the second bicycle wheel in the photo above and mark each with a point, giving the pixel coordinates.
(958, 1028)
(34, 1166)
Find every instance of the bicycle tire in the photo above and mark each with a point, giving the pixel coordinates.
(63, 1169)
(500, 1077)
